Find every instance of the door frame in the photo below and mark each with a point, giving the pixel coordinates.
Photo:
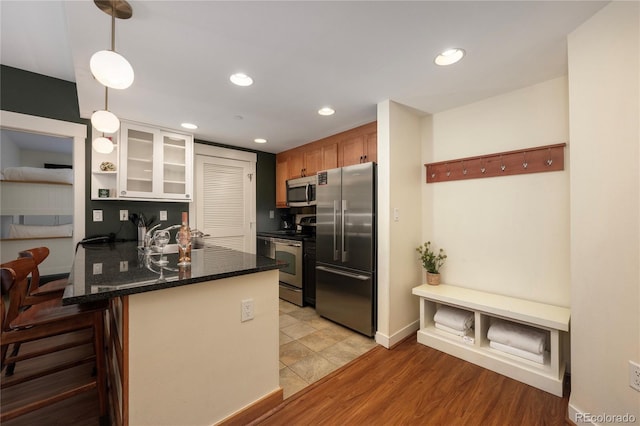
(78, 132)
(229, 154)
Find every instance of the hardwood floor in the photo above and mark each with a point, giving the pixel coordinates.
(416, 385)
(410, 384)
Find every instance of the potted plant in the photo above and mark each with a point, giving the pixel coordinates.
(431, 262)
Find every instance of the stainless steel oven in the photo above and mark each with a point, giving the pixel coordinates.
(290, 251)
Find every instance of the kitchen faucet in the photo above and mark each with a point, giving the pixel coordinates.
(148, 238)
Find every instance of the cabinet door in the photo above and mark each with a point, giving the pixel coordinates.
(296, 163)
(282, 174)
(138, 154)
(372, 148)
(177, 161)
(330, 156)
(352, 150)
(155, 164)
(312, 161)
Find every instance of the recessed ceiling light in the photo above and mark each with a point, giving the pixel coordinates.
(189, 126)
(241, 79)
(449, 56)
(260, 140)
(326, 111)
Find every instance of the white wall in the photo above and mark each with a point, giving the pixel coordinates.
(506, 235)
(30, 158)
(604, 81)
(229, 364)
(399, 184)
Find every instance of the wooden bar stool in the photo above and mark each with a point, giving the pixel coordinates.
(22, 324)
(37, 292)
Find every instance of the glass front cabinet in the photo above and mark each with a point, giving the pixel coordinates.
(155, 164)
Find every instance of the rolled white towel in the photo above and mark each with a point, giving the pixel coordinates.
(517, 336)
(455, 318)
(539, 358)
(451, 330)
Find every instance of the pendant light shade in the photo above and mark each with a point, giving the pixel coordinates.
(102, 145)
(105, 121)
(111, 69)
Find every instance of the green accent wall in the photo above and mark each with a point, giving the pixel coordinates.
(35, 94)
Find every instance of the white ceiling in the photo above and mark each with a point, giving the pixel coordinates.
(302, 55)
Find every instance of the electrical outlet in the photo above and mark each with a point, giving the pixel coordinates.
(97, 268)
(124, 215)
(97, 215)
(124, 266)
(271, 214)
(163, 215)
(634, 375)
(246, 313)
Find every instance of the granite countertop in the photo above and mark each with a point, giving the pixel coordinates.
(104, 271)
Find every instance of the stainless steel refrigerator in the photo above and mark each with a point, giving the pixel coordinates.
(346, 246)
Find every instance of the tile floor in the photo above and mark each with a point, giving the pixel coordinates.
(312, 347)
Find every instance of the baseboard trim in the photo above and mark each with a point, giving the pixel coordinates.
(254, 410)
(397, 337)
(572, 415)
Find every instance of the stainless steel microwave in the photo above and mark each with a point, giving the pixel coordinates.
(301, 192)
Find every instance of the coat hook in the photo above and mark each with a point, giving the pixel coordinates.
(524, 161)
(502, 166)
(549, 161)
(482, 167)
(464, 170)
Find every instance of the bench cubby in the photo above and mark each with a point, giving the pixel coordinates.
(488, 307)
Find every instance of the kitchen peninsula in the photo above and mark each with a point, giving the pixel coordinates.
(178, 351)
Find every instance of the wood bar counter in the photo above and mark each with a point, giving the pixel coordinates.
(177, 350)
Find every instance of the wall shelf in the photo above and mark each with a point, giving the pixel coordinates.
(548, 158)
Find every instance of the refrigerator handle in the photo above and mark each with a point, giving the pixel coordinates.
(343, 216)
(343, 273)
(335, 231)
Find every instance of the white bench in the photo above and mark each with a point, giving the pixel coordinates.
(475, 347)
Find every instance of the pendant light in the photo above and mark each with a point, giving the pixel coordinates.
(111, 70)
(107, 66)
(104, 120)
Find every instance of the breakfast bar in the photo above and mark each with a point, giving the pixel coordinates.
(185, 345)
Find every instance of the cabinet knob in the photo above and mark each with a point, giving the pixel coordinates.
(123, 192)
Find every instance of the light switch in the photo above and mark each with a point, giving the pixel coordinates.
(271, 214)
(97, 215)
(396, 214)
(163, 215)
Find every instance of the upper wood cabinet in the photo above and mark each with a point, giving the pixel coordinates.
(358, 148)
(354, 146)
(282, 174)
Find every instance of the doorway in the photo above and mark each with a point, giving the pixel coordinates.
(24, 132)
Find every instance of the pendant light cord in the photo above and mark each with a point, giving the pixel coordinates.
(113, 26)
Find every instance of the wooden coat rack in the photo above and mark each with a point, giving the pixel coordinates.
(548, 158)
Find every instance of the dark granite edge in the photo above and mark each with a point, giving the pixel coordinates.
(135, 289)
